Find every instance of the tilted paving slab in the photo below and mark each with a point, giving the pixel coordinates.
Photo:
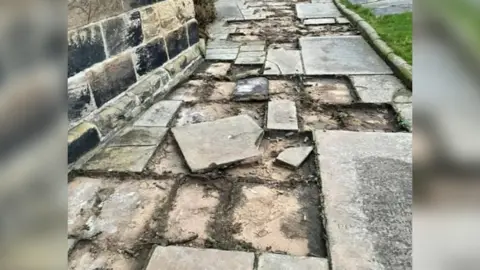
(282, 115)
(340, 55)
(185, 258)
(366, 180)
(376, 88)
(209, 145)
(159, 114)
(222, 54)
(294, 156)
(139, 136)
(269, 261)
(283, 62)
(317, 10)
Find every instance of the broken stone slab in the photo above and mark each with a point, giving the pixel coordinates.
(283, 62)
(319, 21)
(366, 180)
(294, 156)
(139, 136)
(269, 261)
(121, 159)
(250, 58)
(160, 114)
(282, 115)
(214, 69)
(209, 145)
(174, 258)
(317, 10)
(251, 89)
(376, 88)
(336, 55)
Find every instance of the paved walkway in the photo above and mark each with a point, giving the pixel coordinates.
(283, 151)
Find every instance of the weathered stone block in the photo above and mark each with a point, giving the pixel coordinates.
(147, 85)
(82, 139)
(193, 36)
(111, 78)
(182, 60)
(172, 258)
(122, 32)
(150, 56)
(85, 48)
(80, 99)
(177, 42)
(163, 17)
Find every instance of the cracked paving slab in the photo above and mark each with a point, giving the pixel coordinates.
(209, 145)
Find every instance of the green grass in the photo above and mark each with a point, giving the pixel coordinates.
(395, 30)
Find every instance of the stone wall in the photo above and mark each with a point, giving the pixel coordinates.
(118, 66)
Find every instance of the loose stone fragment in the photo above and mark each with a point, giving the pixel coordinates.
(294, 156)
(342, 20)
(209, 145)
(282, 115)
(174, 258)
(251, 89)
(269, 261)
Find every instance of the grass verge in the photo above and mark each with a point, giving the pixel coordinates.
(395, 30)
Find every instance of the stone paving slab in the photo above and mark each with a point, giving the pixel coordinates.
(250, 58)
(139, 136)
(283, 62)
(184, 258)
(88, 259)
(342, 20)
(121, 159)
(340, 55)
(282, 115)
(221, 54)
(159, 114)
(328, 91)
(376, 88)
(317, 10)
(269, 261)
(321, 21)
(209, 145)
(366, 180)
(388, 7)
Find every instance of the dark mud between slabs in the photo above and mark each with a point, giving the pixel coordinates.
(352, 117)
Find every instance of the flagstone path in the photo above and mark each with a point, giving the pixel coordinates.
(195, 182)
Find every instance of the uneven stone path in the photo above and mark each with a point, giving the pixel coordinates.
(204, 180)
